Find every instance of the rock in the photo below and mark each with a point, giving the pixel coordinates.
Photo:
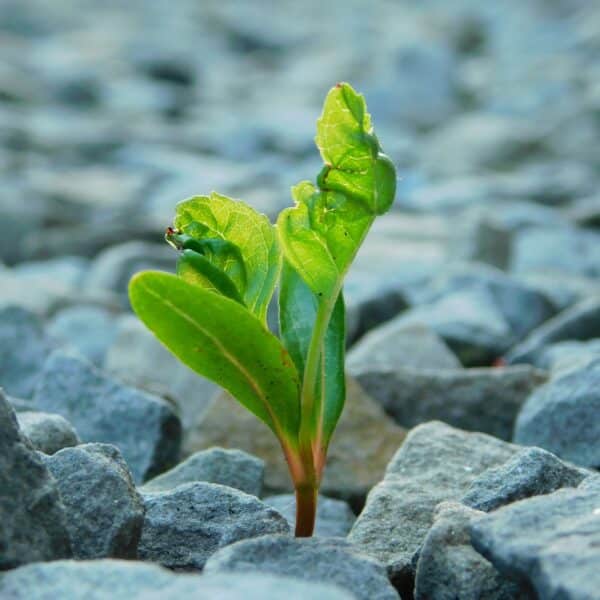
(363, 443)
(131, 580)
(309, 559)
(484, 399)
(407, 346)
(32, 517)
(183, 527)
(68, 270)
(139, 359)
(90, 330)
(551, 543)
(334, 517)
(564, 356)
(450, 568)
(585, 212)
(233, 468)
(530, 472)
(47, 433)
(143, 427)
(436, 463)
(104, 510)
(592, 482)
(580, 322)
(24, 348)
(562, 416)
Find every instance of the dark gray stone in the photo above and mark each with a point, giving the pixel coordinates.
(143, 427)
(562, 416)
(184, 526)
(309, 559)
(436, 463)
(233, 468)
(334, 517)
(32, 517)
(550, 543)
(104, 511)
(449, 568)
(47, 433)
(485, 399)
(131, 580)
(24, 348)
(530, 472)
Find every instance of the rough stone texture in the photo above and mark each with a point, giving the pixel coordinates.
(579, 322)
(32, 517)
(435, 463)
(47, 432)
(334, 517)
(562, 416)
(592, 482)
(104, 510)
(530, 472)
(363, 443)
(449, 568)
(130, 580)
(407, 346)
(143, 427)
(551, 543)
(484, 399)
(564, 356)
(184, 526)
(309, 559)
(233, 468)
(23, 349)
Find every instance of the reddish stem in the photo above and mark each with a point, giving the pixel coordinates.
(306, 510)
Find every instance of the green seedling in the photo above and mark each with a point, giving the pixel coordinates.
(212, 313)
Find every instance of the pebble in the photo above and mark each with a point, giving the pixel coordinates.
(48, 433)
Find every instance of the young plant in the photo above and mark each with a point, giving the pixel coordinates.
(212, 313)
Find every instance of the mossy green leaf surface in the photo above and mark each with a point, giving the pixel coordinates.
(219, 339)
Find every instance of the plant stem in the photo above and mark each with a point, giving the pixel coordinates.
(306, 510)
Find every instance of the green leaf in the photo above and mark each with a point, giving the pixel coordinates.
(219, 339)
(248, 233)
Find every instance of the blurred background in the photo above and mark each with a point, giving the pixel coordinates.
(111, 112)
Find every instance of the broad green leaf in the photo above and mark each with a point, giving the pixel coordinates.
(219, 339)
(217, 217)
(297, 312)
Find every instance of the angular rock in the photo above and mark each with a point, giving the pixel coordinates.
(311, 559)
(363, 443)
(24, 348)
(183, 527)
(104, 510)
(47, 433)
(550, 543)
(144, 427)
(131, 580)
(449, 567)
(413, 346)
(562, 416)
(484, 399)
(564, 356)
(436, 463)
(32, 517)
(233, 468)
(530, 472)
(334, 517)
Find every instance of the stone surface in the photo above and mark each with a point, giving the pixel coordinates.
(32, 517)
(436, 463)
(131, 580)
(530, 472)
(104, 511)
(484, 399)
(551, 543)
(334, 517)
(564, 356)
(313, 559)
(143, 427)
(562, 416)
(233, 468)
(449, 567)
(363, 443)
(23, 349)
(184, 526)
(47, 432)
